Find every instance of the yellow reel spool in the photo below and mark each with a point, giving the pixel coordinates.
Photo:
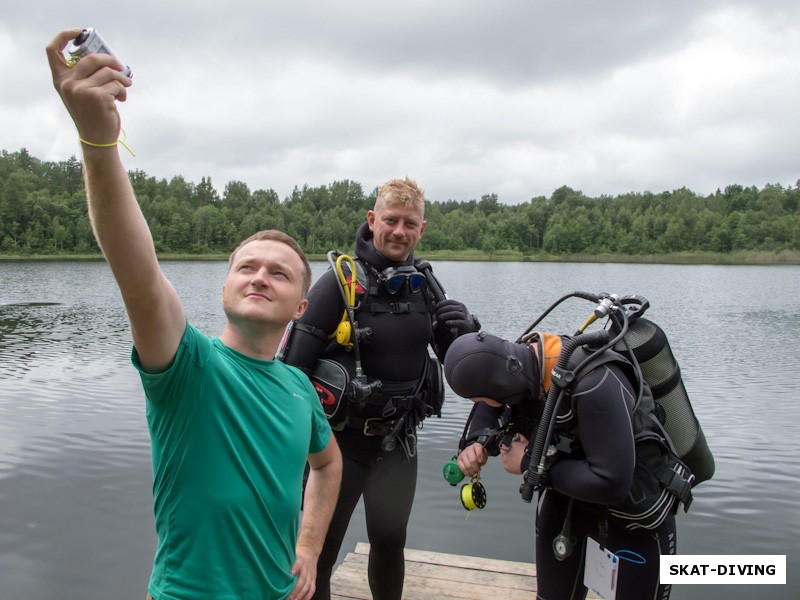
(473, 495)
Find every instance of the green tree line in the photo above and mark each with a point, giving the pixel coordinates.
(43, 211)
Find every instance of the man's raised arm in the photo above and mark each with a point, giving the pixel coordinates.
(90, 91)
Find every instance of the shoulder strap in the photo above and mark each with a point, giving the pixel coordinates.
(643, 416)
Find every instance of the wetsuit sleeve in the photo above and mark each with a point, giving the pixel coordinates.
(603, 400)
(309, 335)
(484, 421)
(485, 416)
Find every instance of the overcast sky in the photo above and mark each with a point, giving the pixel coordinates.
(515, 98)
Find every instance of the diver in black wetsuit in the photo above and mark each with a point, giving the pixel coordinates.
(395, 304)
(506, 377)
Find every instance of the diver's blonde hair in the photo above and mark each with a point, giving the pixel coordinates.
(403, 192)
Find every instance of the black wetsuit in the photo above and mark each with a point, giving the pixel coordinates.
(397, 352)
(598, 475)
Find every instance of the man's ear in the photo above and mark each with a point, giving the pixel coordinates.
(301, 308)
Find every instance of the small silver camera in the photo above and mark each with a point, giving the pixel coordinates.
(90, 42)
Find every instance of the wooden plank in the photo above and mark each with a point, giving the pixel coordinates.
(419, 588)
(472, 562)
(354, 585)
(458, 560)
(435, 575)
(445, 575)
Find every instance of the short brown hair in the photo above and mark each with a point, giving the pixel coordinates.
(278, 236)
(401, 191)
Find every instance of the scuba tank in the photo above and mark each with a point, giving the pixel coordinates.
(661, 372)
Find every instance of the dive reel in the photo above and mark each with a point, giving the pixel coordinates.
(473, 494)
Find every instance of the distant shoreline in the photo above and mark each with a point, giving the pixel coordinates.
(784, 257)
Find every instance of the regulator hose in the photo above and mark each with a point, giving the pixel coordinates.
(561, 378)
(526, 335)
(347, 331)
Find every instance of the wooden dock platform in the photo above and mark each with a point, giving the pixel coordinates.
(436, 575)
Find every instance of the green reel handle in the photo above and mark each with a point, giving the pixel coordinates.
(451, 472)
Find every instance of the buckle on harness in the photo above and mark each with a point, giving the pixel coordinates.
(377, 426)
(681, 486)
(400, 307)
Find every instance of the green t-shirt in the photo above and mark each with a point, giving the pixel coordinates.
(230, 436)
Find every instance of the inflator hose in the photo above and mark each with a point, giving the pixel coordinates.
(424, 267)
(554, 394)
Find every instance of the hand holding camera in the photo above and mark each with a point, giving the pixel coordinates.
(88, 42)
(89, 87)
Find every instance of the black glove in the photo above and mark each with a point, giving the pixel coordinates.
(455, 317)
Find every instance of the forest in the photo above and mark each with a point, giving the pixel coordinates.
(43, 213)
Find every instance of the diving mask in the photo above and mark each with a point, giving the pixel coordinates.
(395, 277)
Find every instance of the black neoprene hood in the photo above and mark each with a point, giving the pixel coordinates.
(481, 364)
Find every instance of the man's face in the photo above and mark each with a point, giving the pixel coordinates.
(264, 285)
(396, 230)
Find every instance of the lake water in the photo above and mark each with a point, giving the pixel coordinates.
(75, 481)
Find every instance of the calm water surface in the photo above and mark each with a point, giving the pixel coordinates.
(75, 480)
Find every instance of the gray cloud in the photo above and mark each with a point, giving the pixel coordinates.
(514, 98)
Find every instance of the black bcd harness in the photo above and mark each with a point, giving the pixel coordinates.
(661, 480)
(378, 407)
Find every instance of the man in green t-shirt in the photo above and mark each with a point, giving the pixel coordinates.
(231, 428)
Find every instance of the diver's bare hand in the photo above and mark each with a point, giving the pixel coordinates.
(90, 90)
(471, 459)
